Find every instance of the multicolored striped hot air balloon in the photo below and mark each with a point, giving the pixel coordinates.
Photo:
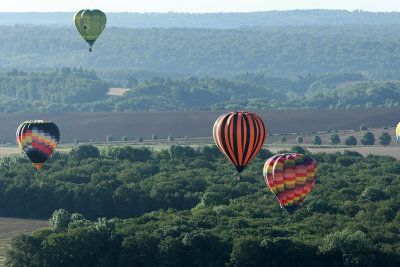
(290, 177)
(239, 135)
(38, 139)
(398, 132)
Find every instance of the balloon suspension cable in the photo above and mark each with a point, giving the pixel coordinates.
(289, 210)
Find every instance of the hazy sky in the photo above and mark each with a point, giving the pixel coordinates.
(195, 6)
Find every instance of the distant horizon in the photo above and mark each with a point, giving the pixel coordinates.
(196, 6)
(220, 12)
(221, 20)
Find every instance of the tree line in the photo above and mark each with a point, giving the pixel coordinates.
(124, 206)
(258, 92)
(367, 139)
(75, 89)
(64, 89)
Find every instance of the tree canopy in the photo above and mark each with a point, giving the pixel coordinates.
(184, 207)
(82, 90)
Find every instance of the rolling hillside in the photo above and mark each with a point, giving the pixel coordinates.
(278, 51)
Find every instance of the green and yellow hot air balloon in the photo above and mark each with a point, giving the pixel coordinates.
(90, 23)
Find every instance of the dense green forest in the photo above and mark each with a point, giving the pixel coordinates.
(258, 92)
(63, 86)
(185, 207)
(82, 90)
(279, 51)
(61, 90)
(210, 20)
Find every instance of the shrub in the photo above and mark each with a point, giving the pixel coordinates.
(350, 141)
(368, 139)
(334, 139)
(317, 140)
(299, 139)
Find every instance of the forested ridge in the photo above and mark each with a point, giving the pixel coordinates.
(75, 90)
(64, 89)
(189, 209)
(278, 51)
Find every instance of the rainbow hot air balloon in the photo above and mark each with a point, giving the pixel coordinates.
(38, 139)
(398, 132)
(239, 135)
(290, 177)
(90, 23)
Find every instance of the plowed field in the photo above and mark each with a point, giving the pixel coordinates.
(97, 125)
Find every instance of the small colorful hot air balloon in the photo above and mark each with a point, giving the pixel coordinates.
(239, 135)
(38, 139)
(90, 23)
(290, 177)
(398, 132)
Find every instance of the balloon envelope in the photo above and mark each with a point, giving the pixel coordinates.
(239, 135)
(38, 139)
(290, 177)
(398, 132)
(90, 23)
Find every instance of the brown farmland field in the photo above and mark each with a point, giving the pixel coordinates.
(11, 227)
(97, 125)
